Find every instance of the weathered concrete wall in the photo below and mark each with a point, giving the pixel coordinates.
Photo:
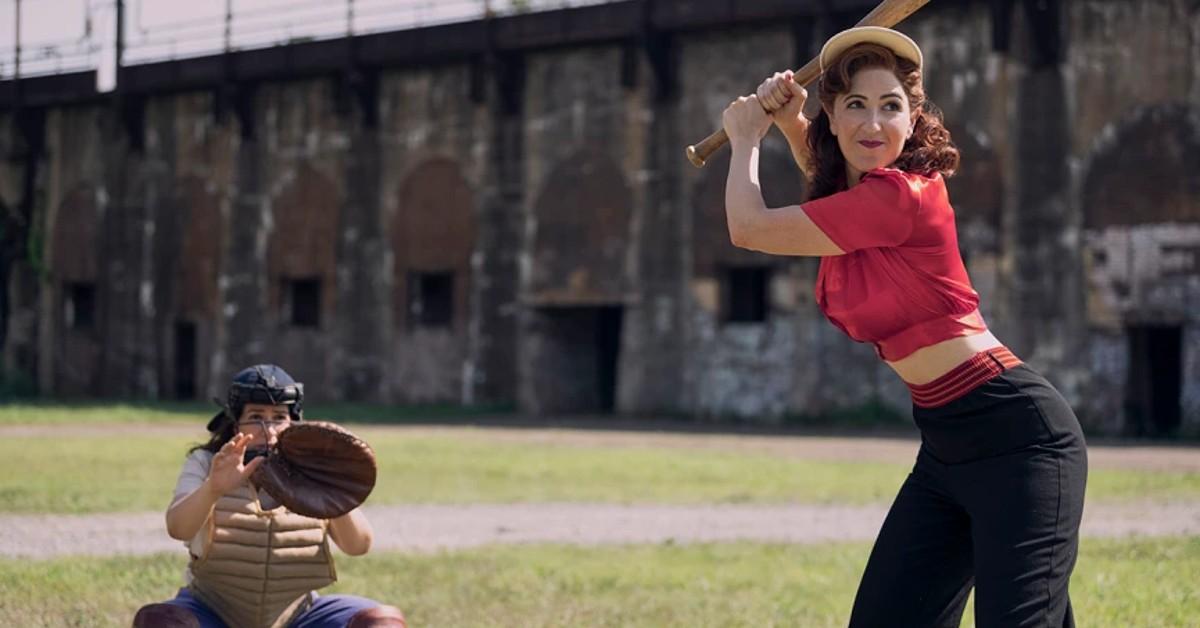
(748, 369)
(435, 171)
(584, 145)
(1134, 109)
(209, 221)
(72, 359)
(590, 263)
(200, 154)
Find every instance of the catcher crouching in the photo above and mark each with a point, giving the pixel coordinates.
(257, 505)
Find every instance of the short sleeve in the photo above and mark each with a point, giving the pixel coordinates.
(194, 473)
(878, 212)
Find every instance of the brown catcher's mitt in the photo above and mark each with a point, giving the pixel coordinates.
(318, 469)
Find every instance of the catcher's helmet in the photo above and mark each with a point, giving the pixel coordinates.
(261, 383)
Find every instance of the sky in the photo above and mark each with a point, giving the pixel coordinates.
(71, 35)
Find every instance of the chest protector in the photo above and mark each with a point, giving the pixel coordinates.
(256, 568)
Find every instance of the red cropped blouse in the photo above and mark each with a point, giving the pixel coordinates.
(901, 284)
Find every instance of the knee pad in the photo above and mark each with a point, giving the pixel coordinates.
(378, 617)
(164, 616)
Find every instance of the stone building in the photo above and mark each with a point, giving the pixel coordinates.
(500, 211)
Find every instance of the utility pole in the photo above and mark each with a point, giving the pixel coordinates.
(17, 55)
(228, 24)
(120, 42)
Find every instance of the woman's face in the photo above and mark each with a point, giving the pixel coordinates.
(871, 121)
(263, 422)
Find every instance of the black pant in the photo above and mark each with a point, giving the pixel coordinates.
(994, 501)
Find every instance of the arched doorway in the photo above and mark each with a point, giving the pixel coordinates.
(192, 240)
(302, 275)
(78, 298)
(433, 235)
(577, 286)
(1141, 202)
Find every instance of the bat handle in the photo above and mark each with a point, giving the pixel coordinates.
(699, 153)
(888, 13)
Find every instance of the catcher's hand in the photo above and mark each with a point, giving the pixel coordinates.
(228, 468)
(318, 469)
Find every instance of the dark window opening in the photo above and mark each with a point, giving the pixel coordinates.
(185, 360)
(746, 294)
(1154, 389)
(303, 305)
(431, 299)
(608, 348)
(579, 359)
(81, 305)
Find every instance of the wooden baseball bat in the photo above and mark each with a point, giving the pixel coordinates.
(888, 13)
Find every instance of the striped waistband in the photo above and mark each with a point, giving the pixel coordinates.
(963, 378)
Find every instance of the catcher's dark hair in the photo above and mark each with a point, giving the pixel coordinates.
(219, 438)
(262, 383)
(929, 149)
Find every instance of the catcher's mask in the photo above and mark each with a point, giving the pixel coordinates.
(263, 383)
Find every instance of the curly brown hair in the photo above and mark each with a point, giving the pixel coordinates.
(928, 150)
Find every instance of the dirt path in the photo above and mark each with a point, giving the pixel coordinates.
(424, 528)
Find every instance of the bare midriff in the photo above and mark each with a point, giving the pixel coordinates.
(929, 363)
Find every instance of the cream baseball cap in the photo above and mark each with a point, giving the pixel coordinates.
(893, 40)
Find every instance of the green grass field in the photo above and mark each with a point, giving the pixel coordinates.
(1130, 583)
(81, 466)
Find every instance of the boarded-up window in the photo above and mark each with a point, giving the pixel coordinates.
(1146, 175)
(582, 233)
(977, 194)
(782, 184)
(75, 254)
(192, 240)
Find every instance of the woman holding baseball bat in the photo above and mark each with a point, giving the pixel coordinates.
(995, 498)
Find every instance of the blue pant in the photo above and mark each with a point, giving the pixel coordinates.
(326, 611)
